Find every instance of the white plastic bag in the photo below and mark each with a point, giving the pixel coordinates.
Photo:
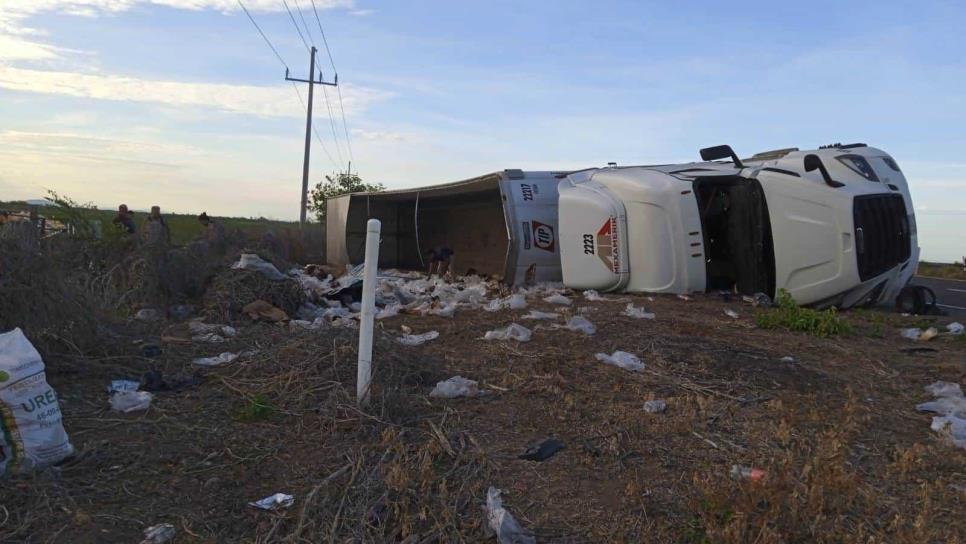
(130, 401)
(457, 386)
(537, 314)
(592, 295)
(159, 534)
(31, 429)
(580, 324)
(911, 334)
(656, 406)
(510, 332)
(622, 359)
(951, 405)
(955, 328)
(638, 313)
(387, 311)
(731, 313)
(251, 261)
(417, 339)
(558, 299)
(272, 502)
(501, 522)
(221, 359)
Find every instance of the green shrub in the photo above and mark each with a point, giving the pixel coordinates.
(789, 315)
(257, 409)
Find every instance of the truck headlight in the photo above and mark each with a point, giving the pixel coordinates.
(859, 165)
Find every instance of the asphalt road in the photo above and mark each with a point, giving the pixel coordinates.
(950, 294)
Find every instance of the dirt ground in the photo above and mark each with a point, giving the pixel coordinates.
(845, 455)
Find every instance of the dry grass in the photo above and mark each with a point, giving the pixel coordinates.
(846, 456)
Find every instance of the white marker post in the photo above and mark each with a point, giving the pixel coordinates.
(368, 314)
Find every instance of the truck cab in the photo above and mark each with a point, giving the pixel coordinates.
(833, 226)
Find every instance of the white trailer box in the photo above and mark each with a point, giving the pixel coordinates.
(504, 224)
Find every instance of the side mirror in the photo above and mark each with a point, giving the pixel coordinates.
(814, 162)
(720, 152)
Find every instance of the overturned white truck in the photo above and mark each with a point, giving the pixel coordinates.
(833, 226)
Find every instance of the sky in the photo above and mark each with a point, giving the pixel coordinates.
(181, 103)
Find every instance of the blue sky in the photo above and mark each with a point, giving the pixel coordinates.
(180, 103)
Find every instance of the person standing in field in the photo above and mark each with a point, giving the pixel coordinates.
(156, 231)
(214, 233)
(124, 219)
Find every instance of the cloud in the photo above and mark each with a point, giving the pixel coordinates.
(274, 101)
(361, 12)
(18, 41)
(382, 135)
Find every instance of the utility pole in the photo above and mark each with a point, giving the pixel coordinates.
(308, 128)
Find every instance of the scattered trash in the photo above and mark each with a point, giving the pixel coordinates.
(389, 310)
(516, 301)
(638, 313)
(684, 297)
(225, 357)
(928, 334)
(731, 313)
(159, 534)
(955, 328)
(118, 386)
(787, 359)
(760, 300)
(951, 405)
(302, 324)
(417, 339)
(911, 334)
(558, 299)
(502, 523)
(511, 332)
(147, 314)
(205, 332)
(622, 359)
(537, 314)
(130, 401)
(457, 386)
(542, 451)
(260, 310)
(30, 407)
(446, 310)
(580, 324)
(593, 296)
(742, 472)
(250, 261)
(272, 502)
(655, 406)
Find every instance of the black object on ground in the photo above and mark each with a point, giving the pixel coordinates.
(543, 451)
(917, 300)
(154, 381)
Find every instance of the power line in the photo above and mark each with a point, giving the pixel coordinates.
(264, 37)
(325, 42)
(294, 86)
(335, 137)
(314, 130)
(296, 25)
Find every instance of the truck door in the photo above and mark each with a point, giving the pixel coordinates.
(808, 240)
